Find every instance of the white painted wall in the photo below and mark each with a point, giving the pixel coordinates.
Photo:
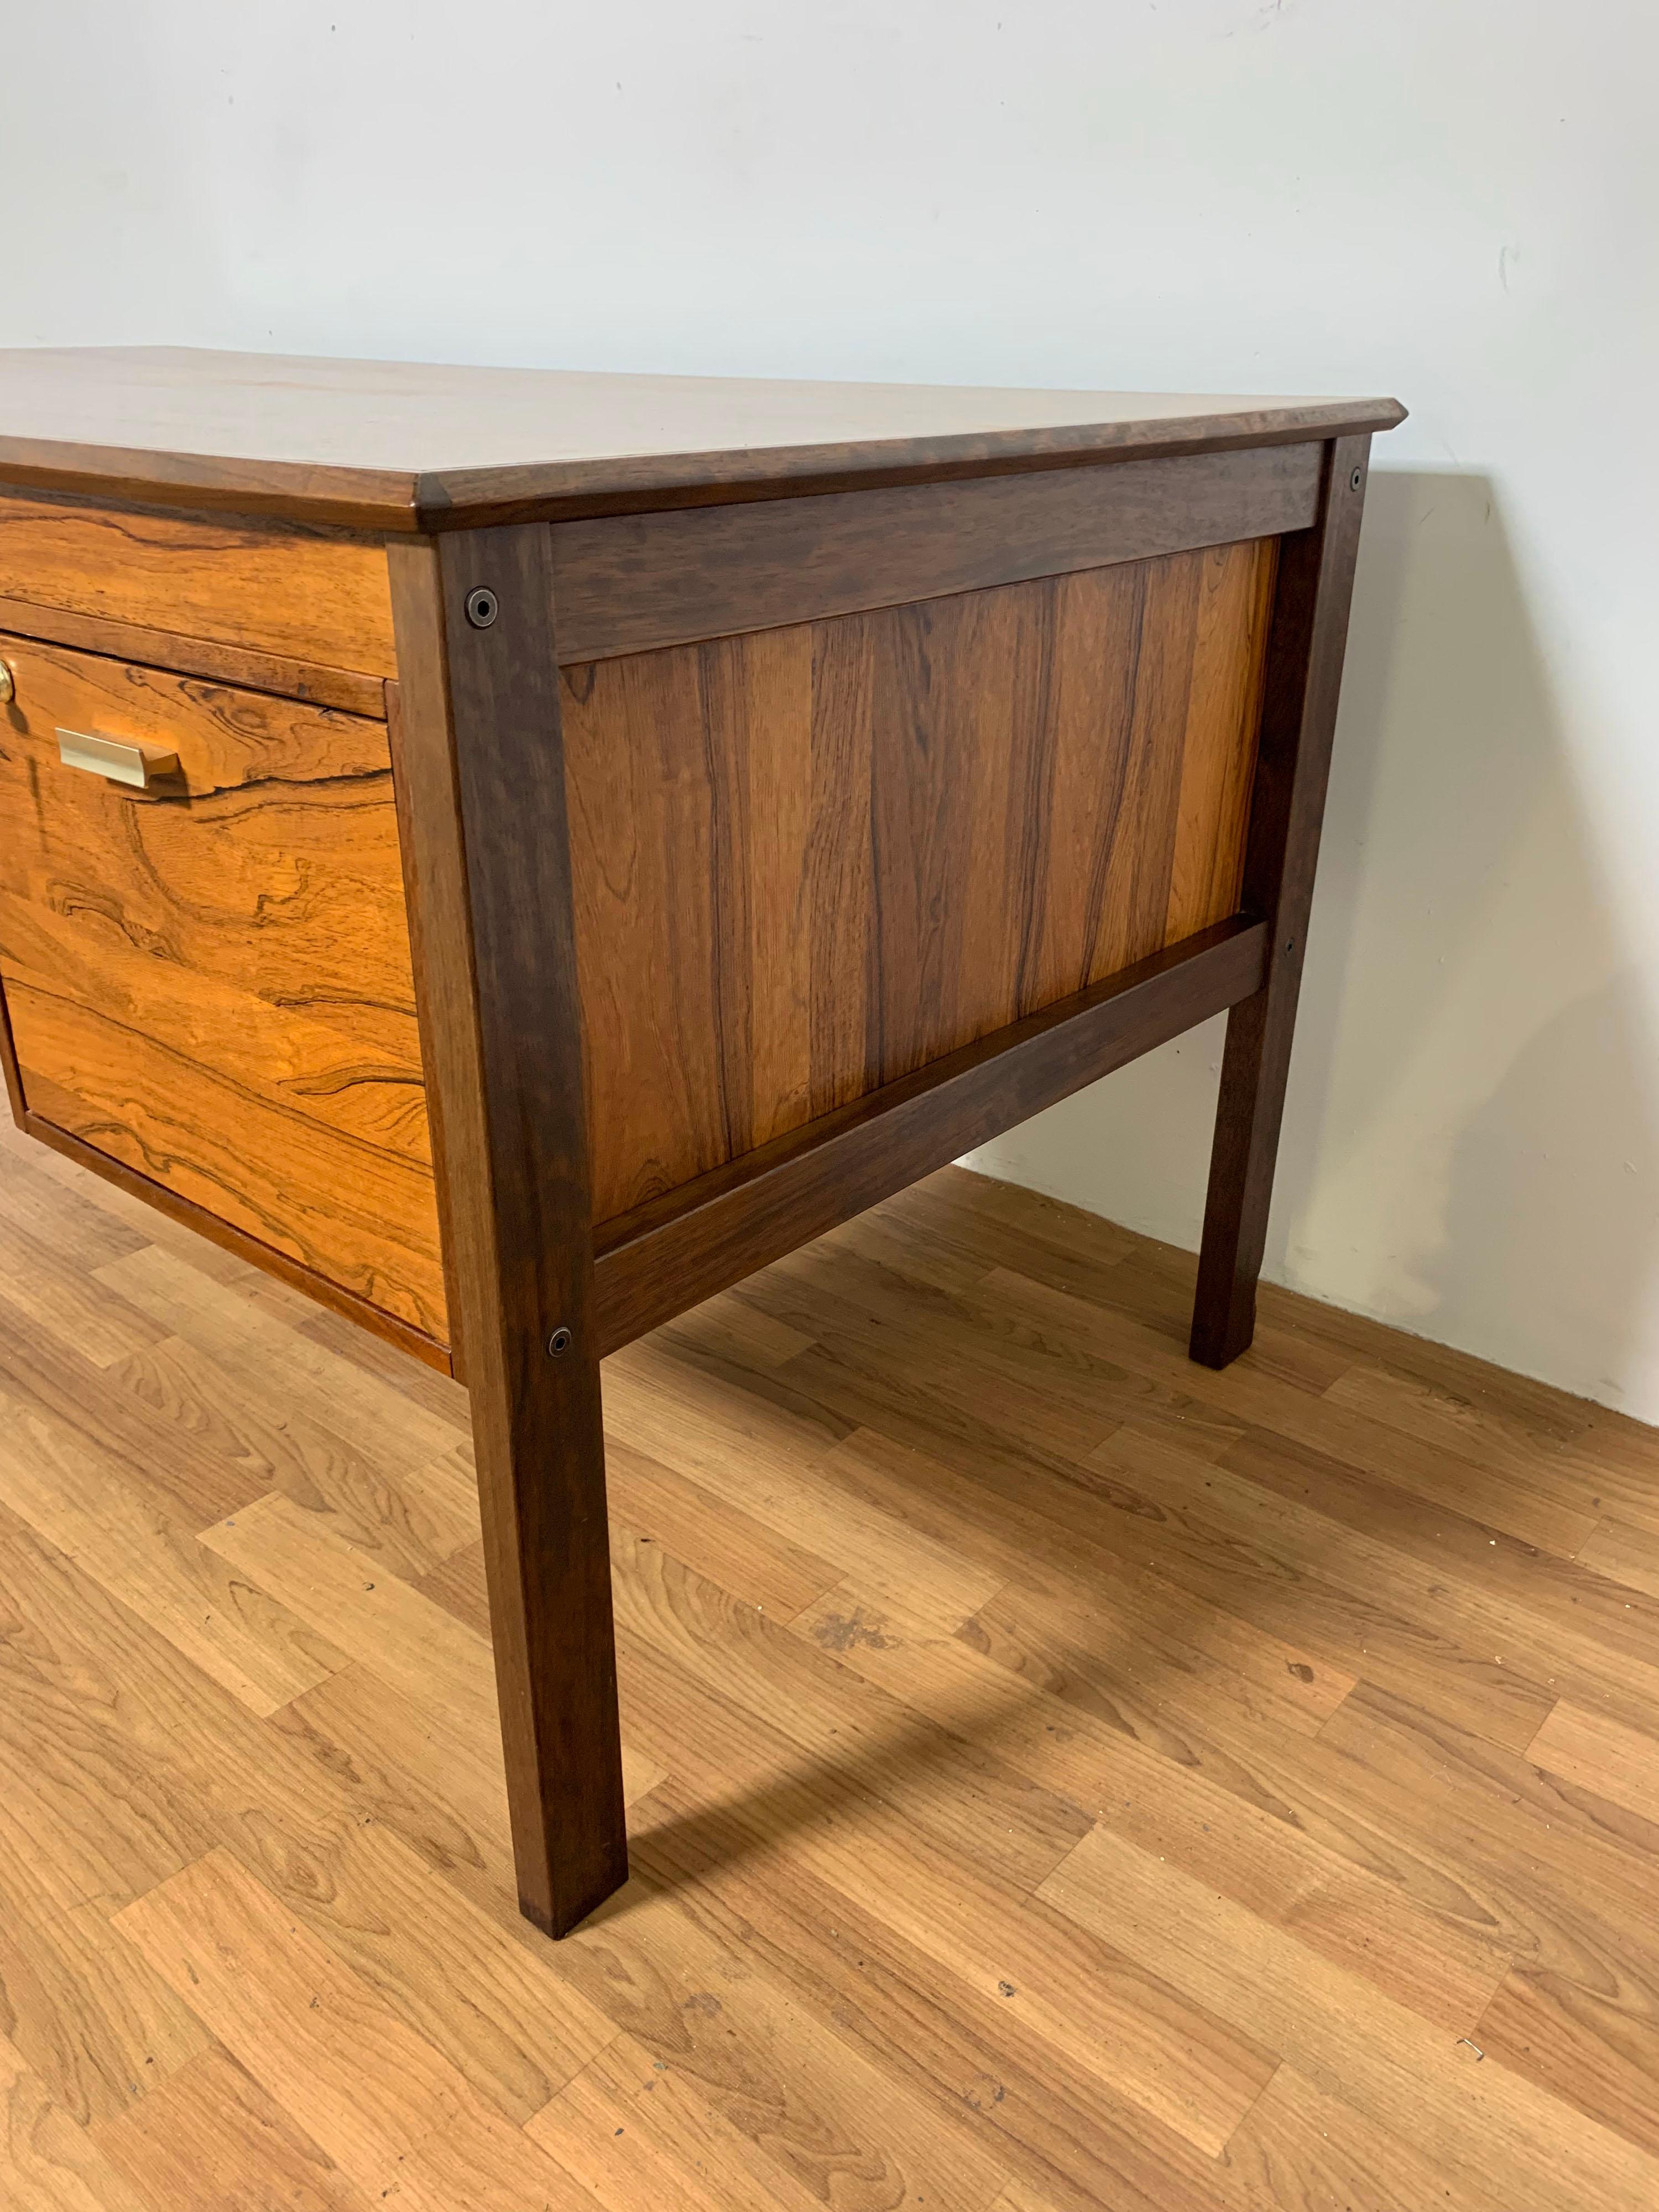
(1450, 199)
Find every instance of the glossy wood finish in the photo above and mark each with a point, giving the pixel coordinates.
(1063, 1777)
(408, 446)
(247, 670)
(809, 861)
(681, 1248)
(485, 805)
(209, 982)
(629, 584)
(1304, 679)
(307, 594)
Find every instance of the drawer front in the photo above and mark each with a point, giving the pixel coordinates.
(309, 595)
(210, 980)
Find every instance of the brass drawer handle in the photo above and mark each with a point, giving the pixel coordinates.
(138, 765)
(8, 684)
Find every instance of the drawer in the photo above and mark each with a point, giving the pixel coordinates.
(210, 980)
(311, 595)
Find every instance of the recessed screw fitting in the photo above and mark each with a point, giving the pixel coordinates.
(1355, 480)
(482, 607)
(559, 1343)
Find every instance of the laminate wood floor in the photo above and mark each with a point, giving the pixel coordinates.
(1060, 1777)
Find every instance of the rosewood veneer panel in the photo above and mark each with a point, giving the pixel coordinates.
(810, 860)
(209, 982)
(305, 593)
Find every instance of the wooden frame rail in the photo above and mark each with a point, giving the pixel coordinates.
(654, 1263)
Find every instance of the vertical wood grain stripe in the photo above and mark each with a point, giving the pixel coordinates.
(1235, 603)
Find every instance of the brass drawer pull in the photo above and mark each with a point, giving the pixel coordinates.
(139, 765)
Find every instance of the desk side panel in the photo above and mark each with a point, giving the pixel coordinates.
(810, 860)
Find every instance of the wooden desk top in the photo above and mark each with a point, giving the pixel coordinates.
(409, 446)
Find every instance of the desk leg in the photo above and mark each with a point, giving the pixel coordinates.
(481, 772)
(1304, 677)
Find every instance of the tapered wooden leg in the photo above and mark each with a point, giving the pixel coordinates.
(1302, 682)
(547, 1560)
(482, 802)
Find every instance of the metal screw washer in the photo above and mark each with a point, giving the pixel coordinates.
(559, 1343)
(482, 607)
(1355, 480)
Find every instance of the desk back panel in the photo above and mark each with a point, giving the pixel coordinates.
(809, 860)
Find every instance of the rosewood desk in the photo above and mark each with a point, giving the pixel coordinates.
(512, 852)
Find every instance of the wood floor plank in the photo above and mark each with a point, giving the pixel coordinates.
(1222, 1812)
(776, 2068)
(727, 1328)
(802, 1695)
(375, 2097)
(1258, 1392)
(1141, 1647)
(47, 2162)
(489, 2003)
(637, 2134)
(65, 1215)
(750, 1454)
(1354, 1606)
(1061, 2130)
(1498, 1422)
(1299, 2150)
(1325, 1423)
(413, 1645)
(210, 2140)
(433, 1392)
(101, 1412)
(96, 2027)
(757, 1563)
(1140, 2034)
(1603, 1754)
(68, 1802)
(233, 1629)
(1624, 1554)
(1558, 1875)
(849, 1826)
(1408, 1621)
(1020, 1544)
(269, 1359)
(395, 1768)
(1597, 2048)
(1616, 1460)
(75, 1306)
(413, 1521)
(1408, 2077)
(174, 1755)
